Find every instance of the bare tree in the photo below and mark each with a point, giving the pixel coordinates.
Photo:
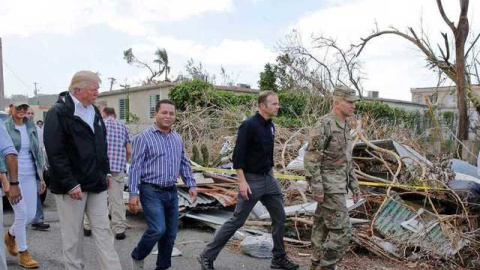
(325, 65)
(455, 69)
(196, 71)
(227, 78)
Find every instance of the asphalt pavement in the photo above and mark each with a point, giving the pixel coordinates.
(45, 247)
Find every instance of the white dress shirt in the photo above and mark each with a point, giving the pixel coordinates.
(87, 114)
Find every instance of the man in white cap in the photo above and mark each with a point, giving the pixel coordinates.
(75, 140)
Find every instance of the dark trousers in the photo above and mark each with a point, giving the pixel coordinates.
(265, 189)
(39, 216)
(160, 208)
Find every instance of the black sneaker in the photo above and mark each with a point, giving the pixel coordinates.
(41, 226)
(206, 263)
(283, 263)
(120, 236)
(87, 233)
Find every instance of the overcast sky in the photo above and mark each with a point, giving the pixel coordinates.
(46, 41)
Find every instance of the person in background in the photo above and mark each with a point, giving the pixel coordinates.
(76, 144)
(24, 136)
(119, 149)
(38, 222)
(40, 133)
(10, 165)
(30, 114)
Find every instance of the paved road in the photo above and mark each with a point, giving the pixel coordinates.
(46, 247)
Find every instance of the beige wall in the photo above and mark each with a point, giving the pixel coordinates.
(39, 111)
(139, 102)
(446, 97)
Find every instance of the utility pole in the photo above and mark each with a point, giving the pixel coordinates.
(2, 93)
(35, 91)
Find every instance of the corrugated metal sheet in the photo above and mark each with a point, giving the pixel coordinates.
(429, 236)
(202, 200)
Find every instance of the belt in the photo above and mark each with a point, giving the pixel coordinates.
(158, 187)
(259, 173)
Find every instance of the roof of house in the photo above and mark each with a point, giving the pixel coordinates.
(396, 101)
(439, 89)
(171, 84)
(138, 89)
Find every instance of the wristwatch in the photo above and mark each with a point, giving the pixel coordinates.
(14, 183)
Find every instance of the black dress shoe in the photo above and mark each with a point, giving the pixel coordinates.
(87, 233)
(120, 236)
(207, 264)
(41, 226)
(283, 263)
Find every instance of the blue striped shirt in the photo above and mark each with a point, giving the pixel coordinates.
(158, 158)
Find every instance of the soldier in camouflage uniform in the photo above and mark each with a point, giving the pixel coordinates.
(329, 169)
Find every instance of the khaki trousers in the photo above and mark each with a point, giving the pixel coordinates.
(70, 213)
(116, 206)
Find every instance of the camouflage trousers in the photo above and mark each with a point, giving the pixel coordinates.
(330, 232)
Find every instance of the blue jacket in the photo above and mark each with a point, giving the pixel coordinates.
(17, 143)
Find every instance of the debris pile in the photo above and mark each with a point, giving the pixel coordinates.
(413, 209)
(410, 210)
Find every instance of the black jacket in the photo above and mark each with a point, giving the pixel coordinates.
(76, 155)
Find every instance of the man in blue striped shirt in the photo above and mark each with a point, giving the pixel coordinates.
(158, 157)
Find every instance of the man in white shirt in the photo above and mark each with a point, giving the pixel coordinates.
(75, 140)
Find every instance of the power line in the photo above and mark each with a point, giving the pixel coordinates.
(16, 76)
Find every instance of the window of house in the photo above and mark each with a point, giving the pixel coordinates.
(154, 99)
(123, 108)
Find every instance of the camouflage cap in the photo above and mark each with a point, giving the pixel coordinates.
(346, 93)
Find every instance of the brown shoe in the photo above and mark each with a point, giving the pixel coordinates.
(10, 244)
(25, 260)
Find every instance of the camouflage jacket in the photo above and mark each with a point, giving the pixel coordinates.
(328, 159)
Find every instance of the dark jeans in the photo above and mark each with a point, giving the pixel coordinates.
(160, 208)
(39, 217)
(265, 189)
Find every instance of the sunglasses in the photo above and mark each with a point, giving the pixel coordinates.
(22, 107)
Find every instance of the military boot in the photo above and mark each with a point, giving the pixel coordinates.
(10, 244)
(26, 260)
